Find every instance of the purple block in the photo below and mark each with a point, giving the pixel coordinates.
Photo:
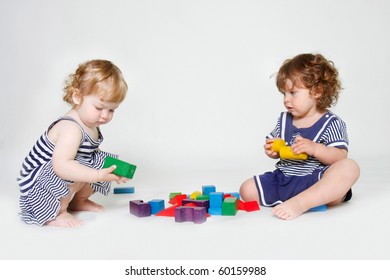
(190, 214)
(139, 208)
(198, 203)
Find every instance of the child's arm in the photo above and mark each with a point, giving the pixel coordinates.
(67, 142)
(327, 155)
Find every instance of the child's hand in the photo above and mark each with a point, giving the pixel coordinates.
(268, 148)
(303, 145)
(106, 175)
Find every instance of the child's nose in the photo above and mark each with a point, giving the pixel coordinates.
(104, 114)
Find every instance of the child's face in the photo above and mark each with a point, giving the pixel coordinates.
(298, 100)
(94, 112)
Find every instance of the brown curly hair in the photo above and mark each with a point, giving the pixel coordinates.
(314, 72)
(88, 80)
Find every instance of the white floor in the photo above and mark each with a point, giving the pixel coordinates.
(357, 230)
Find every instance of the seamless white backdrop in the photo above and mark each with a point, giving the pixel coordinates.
(202, 94)
(199, 72)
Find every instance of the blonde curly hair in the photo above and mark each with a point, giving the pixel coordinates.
(89, 78)
(314, 72)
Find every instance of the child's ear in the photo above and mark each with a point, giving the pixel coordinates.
(318, 90)
(76, 97)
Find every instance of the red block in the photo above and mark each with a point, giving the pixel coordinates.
(178, 199)
(251, 206)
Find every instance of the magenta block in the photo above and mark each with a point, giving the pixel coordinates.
(190, 214)
(139, 208)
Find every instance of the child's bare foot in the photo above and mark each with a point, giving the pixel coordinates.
(65, 219)
(85, 205)
(289, 209)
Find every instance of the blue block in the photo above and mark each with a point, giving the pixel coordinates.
(215, 211)
(216, 199)
(235, 194)
(124, 190)
(156, 205)
(319, 208)
(206, 190)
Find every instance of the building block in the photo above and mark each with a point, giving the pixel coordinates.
(123, 190)
(319, 208)
(198, 203)
(235, 194)
(215, 211)
(123, 168)
(230, 206)
(241, 205)
(277, 144)
(206, 190)
(216, 199)
(285, 152)
(177, 199)
(173, 194)
(251, 206)
(156, 206)
(248, 206)
(190, 214)
(195, 194)
(203, 197)
(139, 208)
(168, 212)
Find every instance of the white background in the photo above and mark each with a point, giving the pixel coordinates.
(199, 72)
(201, 99)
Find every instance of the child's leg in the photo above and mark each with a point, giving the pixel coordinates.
(248, 191)
(81, 201)
(64, 218)
(331, 189)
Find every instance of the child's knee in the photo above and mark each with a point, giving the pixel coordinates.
(352, 169)
(248, 191)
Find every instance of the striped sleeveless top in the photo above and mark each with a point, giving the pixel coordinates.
(35, 171)
(329, 130)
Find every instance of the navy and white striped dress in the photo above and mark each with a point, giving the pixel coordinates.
(294, 176)
(41, 188)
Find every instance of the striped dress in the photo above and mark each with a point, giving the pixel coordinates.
(294, 176)
(41, 188)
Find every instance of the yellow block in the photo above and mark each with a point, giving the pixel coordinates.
(195, 194)
(287, 153)
(277, 144)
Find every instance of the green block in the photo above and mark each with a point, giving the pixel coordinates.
(230, 206)
(173, 194)
(203, 197)
(123, 168)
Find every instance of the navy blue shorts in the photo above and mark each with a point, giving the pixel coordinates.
(275, 187)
